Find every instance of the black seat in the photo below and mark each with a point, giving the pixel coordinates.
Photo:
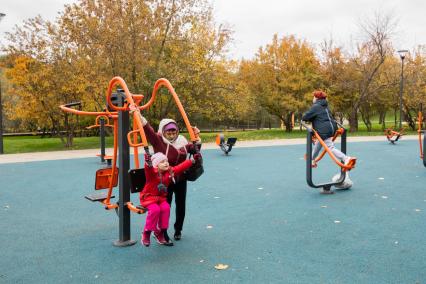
(137, 179)
(231, 141)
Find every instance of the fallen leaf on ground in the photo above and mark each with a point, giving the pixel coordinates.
(221, 266)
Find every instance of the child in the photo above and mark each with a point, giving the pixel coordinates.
(325, 125)
(154, 194)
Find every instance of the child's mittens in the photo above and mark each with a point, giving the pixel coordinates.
(148, 159)
(196, 157)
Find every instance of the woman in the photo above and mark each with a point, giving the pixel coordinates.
(168, 141)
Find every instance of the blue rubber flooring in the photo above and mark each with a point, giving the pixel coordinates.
(251, 210)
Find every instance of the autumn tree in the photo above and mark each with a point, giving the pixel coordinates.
(281, 75)
(367, 61)
(141, 41)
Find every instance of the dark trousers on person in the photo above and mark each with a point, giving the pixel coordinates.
(179, 190)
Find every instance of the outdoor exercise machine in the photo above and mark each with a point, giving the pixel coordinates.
(108, 178)
(225, 147)
(392, 135)
(312, 136)
(422, 141)
(101, 122)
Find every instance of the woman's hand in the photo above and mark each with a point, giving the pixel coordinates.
(196, 133)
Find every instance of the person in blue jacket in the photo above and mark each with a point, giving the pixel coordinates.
(325, 125)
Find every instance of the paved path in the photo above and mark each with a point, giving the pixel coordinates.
(61, 155)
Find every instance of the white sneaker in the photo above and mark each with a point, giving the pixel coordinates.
(347, 160)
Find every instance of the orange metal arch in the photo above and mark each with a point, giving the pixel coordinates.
(164, 82)
(97, 124)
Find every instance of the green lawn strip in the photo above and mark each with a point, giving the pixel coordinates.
(28, 144)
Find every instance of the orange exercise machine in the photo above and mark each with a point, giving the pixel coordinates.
(108, 178)
(101, 122)
(226, 147)
(392, 135)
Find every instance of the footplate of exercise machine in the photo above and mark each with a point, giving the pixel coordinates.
(101, 196)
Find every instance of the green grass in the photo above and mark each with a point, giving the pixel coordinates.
(28, 144)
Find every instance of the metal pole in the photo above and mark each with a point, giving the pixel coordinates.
(1, 108)
(102, 134)
(401, 90)
(1, 122)
(123, 178)
(400, 95)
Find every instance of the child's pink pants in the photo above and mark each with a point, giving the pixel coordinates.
(158, 216)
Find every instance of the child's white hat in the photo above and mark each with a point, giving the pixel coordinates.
(157, 158)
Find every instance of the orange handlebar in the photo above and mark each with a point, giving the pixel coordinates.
(164, 82)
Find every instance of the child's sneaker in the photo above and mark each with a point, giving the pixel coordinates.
(159, 236)
(146, 238)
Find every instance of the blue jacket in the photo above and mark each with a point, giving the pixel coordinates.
(321, 118)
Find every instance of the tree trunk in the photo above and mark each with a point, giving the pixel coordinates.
(287, 123)
(353, 121)
(408, 118)
(382, 119)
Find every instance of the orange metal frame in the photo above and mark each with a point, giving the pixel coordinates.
(97, 124)
(344, 167)
(132, 136)
(390, 133)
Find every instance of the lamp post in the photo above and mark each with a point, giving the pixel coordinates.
(402, 54)
(1, 109)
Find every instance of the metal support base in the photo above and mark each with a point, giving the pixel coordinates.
(327, 190)
(119, 243)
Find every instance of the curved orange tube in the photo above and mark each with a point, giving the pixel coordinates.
(97, 124)
(80, 112)
(107, 201)
(164, 82)
(129, 98)
(338, 132)
(347, 167)
(135, 209)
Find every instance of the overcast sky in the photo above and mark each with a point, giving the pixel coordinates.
(255, 21)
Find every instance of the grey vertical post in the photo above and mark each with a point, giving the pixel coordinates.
(343, 142)
(1, 123)
(424, 147)
(123, 179)
(1, 108)
(102, 134)
(401, 90)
